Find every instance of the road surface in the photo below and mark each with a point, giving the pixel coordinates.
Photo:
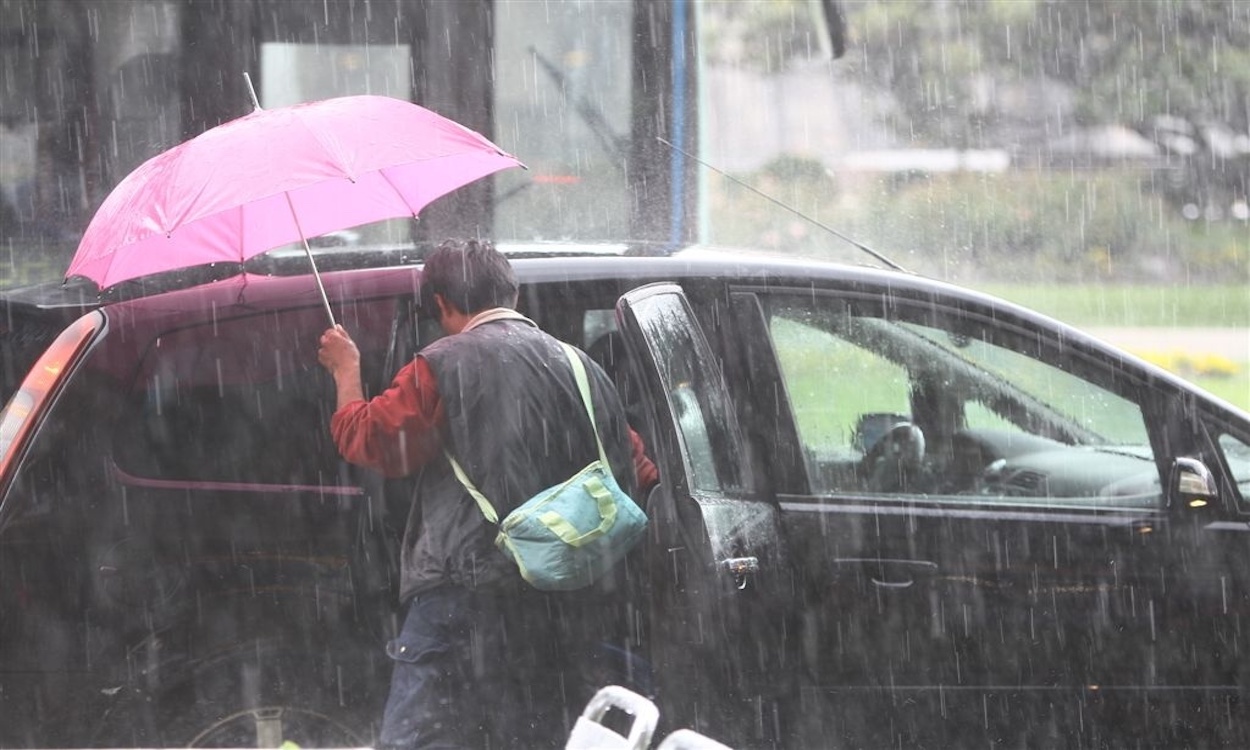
(1232, 343)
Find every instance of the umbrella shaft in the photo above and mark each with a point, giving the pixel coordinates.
(325, 300)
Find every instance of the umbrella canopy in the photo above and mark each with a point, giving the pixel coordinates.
(277, 176)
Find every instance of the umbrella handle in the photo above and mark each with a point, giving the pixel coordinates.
(325, 300)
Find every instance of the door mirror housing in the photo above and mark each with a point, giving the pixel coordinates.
(1192, 485)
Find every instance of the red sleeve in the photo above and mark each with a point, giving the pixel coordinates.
(397, 431)
(644, 468)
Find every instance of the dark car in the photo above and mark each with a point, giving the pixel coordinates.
(892, 513)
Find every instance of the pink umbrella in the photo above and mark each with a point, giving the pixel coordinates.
(278, 176)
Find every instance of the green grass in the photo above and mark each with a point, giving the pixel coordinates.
(1097, 305)
(833, 384)
(1139, 306)
(1234, 389)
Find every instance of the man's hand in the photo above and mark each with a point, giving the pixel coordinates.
(339, 355)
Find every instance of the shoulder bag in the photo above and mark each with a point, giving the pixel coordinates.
(571, 534)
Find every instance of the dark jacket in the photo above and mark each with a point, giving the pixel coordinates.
(516, 424)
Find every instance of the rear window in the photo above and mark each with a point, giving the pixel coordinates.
(242, 400)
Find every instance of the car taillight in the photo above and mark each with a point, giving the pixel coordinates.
(19, 416)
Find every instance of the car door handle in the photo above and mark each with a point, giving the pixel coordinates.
(889, 573)
(740, 568)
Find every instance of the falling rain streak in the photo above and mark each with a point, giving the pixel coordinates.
(891, 512)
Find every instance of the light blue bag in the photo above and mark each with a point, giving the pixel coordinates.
(569, 535)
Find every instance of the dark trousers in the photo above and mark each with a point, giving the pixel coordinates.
(485, 669)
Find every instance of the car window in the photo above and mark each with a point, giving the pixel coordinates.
(597, 324)
(809, 357)
(1237, 453)
(691, 378)
(1117, 419)
(240, 400)
(946, 407)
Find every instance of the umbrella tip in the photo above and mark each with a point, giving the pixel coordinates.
(251, 90)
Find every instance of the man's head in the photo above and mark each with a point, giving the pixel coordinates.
(467, 277)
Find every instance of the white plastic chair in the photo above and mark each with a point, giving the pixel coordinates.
(589, 733)
(688, 739)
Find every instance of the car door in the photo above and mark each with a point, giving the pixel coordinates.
(179, 536)
(712, 559)
(985, 528)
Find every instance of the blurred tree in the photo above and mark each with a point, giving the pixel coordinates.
(1178, 71)
(768, 37)
(974, 73)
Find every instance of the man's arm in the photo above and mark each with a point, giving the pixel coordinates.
(644, 468)
(397, 432)
(339, 355)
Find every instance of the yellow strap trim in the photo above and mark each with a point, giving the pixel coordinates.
(483, 504)
(583, 387)
(503, 542)
(569, 533)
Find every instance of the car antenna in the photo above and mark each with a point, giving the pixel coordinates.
(789, 208)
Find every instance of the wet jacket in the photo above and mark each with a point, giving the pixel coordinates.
(513, 418)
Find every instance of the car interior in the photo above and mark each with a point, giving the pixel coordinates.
(943, 408)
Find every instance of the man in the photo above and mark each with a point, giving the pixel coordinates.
(477, 661)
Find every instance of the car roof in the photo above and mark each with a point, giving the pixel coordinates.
(283, 279)
(284, 283)
(293, 286)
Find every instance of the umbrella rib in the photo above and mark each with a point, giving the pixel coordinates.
(398, 192)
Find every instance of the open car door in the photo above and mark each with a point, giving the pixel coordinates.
(713, 558)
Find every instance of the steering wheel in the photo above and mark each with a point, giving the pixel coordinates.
(894, 463)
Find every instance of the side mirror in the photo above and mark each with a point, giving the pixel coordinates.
(1192, 484)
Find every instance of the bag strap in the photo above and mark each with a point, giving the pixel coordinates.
(583, 387)
(483, 504)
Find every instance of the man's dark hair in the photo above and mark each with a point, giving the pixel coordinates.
(470, 274)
